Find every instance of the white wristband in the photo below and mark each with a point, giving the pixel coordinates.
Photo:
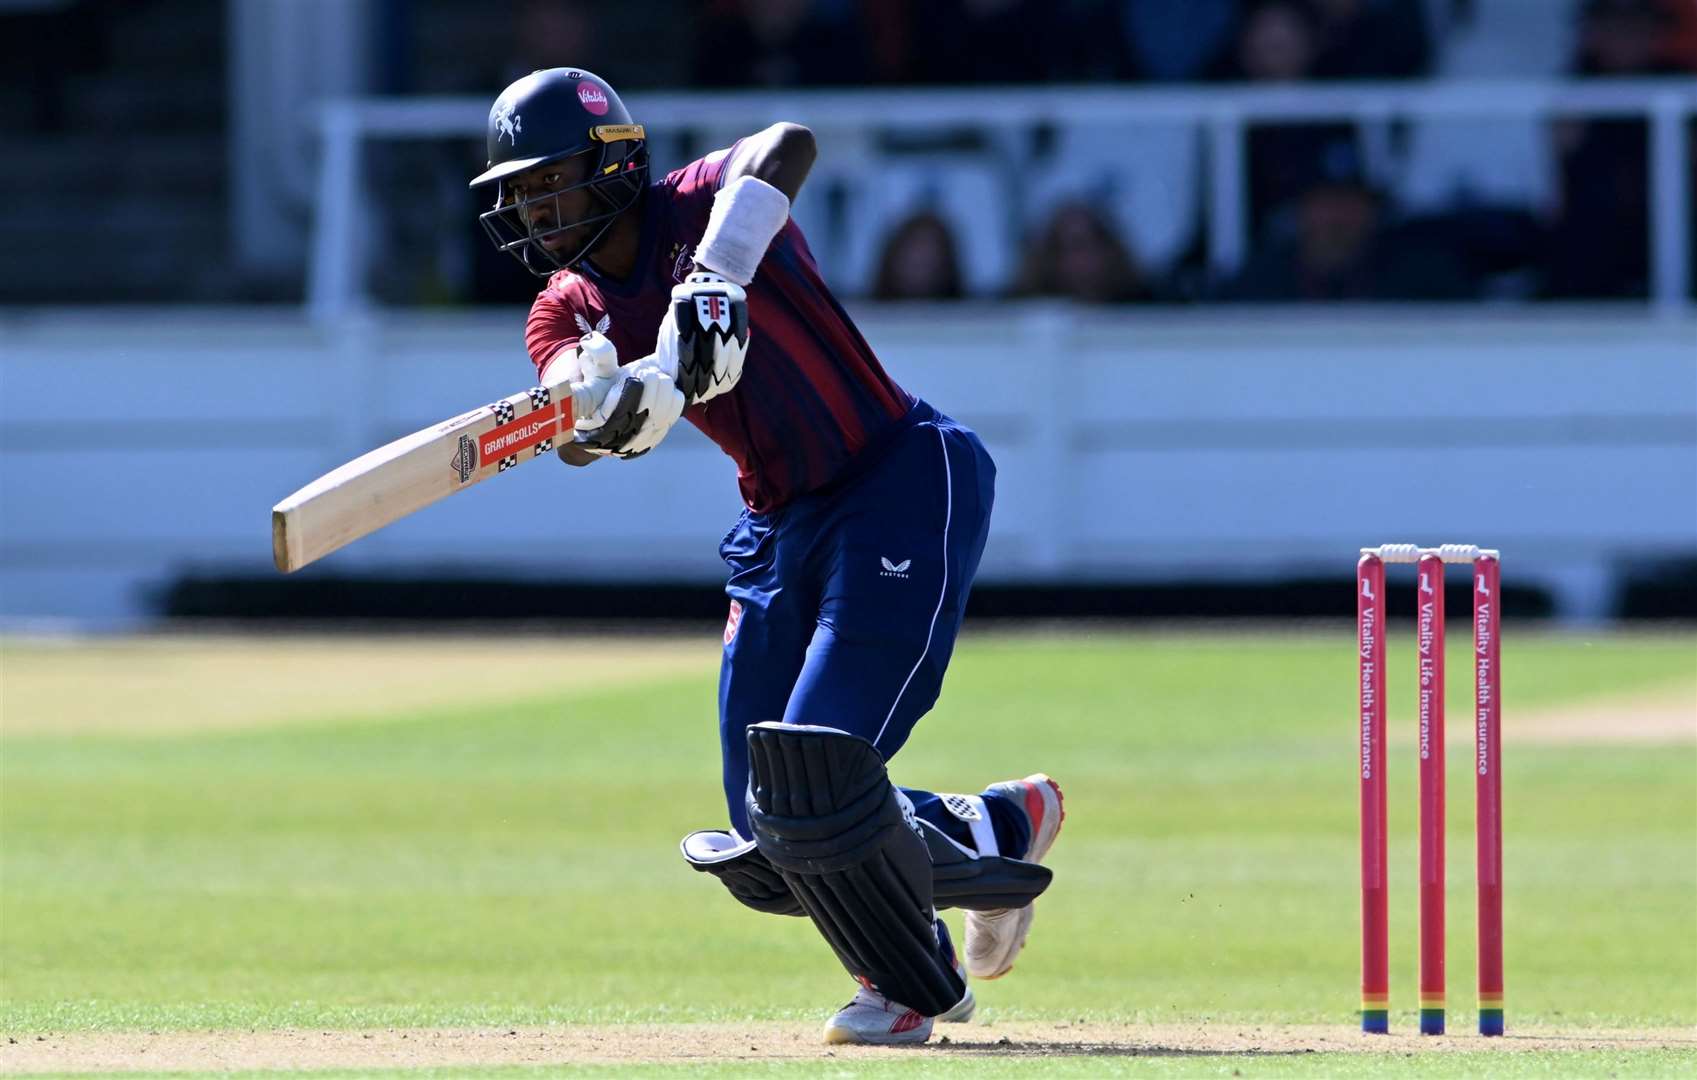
(747, 214)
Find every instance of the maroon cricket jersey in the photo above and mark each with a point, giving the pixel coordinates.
(812, 395)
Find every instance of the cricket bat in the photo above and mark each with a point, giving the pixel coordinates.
(410, 473)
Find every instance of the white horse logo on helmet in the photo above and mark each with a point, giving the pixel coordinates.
(507, 123)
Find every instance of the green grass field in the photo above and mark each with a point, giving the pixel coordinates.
(507, 859)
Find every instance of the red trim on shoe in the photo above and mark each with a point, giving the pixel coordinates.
(1034, 809)
(907, 1021)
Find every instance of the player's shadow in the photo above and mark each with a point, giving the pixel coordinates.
(1011, 1048)
(1596, 1042)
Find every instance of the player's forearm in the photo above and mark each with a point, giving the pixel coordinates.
(781, 155)
(748, 213)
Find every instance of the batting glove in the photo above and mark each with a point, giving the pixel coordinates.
(703, 339)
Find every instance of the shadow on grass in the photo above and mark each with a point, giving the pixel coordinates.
(1611, 1041)
(1011, 1048)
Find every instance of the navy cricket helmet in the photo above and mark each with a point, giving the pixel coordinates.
(563, 115)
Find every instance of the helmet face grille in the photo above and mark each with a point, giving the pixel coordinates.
(616, 178)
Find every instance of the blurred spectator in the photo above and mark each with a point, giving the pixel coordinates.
(1628, 38)
(1167, 42)
(1079, 256)
(986, 41)
(1279, 41)
(553, 33)
(1342, 249)
(919, 261)
(1372, 39)
(1679, 38)
(1141, 40)
(1600, 238)
(780, 43)
(893, 43)
(412, 53)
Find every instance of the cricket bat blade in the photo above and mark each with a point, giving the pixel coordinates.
(387, 484)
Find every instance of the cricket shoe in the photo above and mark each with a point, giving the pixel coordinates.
(994, 938)
(873, 1019)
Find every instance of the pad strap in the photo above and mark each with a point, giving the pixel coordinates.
(740, 867)
(959, 878)
(971, 809)
(966, 879)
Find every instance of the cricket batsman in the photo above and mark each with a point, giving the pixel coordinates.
(696, 296)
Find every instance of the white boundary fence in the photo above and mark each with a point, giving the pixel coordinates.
(336, 279)
(1216, 446)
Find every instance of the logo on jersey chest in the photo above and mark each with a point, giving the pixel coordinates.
(603, 325)
(894, 569)
(682, 255)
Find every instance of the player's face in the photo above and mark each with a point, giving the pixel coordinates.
(546, 202)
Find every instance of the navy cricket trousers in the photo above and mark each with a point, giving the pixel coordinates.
(845, 605)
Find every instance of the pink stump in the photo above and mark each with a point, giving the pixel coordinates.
(1375, 915)
(1487, 760)
(1430, 639)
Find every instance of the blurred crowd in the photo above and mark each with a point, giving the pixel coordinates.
(825, 43)
(1324, 221)
(746, 44)
(1403, 207)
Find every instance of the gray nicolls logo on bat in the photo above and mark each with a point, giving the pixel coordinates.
(465, 458)
(508, 123)
(602, 325)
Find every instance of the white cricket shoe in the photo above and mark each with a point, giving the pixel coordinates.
(994, 938)
(874, 1019)
(871, 1019)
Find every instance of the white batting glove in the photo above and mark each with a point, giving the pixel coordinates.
(703, 339)
(589, 369)
(634, 415)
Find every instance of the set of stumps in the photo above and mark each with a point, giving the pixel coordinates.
(1487, 763)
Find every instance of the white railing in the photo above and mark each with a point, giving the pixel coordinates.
(336, 277)
(1243, 443)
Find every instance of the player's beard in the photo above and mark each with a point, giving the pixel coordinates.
(566, 246)
(575, 244)
(590, 233)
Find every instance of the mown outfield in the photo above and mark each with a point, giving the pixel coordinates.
(358, 854)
